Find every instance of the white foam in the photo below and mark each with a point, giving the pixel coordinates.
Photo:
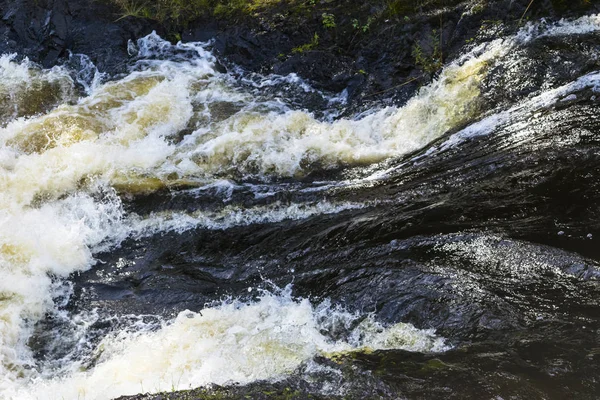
(295, 142)
(22, 83)
(231, 343)
(56, 205)
(231, 216)
(564, 27)
(37, 244)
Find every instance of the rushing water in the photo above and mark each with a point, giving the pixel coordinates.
(181, 226)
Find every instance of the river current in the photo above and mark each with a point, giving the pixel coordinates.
(189, 223)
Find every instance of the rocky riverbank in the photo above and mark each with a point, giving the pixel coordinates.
(377, 51)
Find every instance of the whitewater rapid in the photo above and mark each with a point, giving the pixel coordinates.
(66, 167)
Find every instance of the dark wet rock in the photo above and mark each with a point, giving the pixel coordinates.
(526, 365)
(546, 63)
(374, 64)
(47, 30)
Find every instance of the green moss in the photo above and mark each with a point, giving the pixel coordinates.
(433, 365)
(364, 28)
(428, 62)
(308, 46)
(429, 59)
(181, 12)
(408, 7)
(478, 7)
(328, 20)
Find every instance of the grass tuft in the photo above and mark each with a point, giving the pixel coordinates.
(182, 12)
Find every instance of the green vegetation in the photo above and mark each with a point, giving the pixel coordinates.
(478, 7)
(364, 28)
(407, 7)
(429, 63)
(131, 8)
(328, 20)
(431, 60)
(183, 11)
(308, 46)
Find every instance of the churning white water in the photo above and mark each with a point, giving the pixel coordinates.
(233, 342)
(65, 165)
